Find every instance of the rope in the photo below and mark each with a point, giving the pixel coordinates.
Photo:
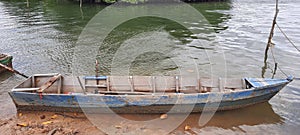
(276, 65)
(282, 71)
(296, 78)
(287, 37)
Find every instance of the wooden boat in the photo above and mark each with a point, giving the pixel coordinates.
(141, 94)
(5, 60)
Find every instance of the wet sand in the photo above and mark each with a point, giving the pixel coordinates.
(58, 123)
(49, 123)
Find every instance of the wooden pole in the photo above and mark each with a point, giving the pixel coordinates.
(271, 33)
(12, 70)
(270, 41)
(97, 70)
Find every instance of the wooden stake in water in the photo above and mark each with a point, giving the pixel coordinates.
(270, 41)
(271, 33)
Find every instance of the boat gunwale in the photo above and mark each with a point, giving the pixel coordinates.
(159, 104)
(155, 94)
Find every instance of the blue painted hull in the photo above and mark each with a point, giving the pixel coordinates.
(156, 103)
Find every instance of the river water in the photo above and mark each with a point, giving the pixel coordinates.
(228, 42)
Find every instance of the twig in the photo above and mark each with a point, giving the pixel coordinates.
(65, 115)
(52, 132)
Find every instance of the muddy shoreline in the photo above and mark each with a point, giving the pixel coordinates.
(52, 123)
(47, 123)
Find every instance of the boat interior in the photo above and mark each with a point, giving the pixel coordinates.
(110, 85)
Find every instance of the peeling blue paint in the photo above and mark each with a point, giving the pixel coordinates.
(261, 91)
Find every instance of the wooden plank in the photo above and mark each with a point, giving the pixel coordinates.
(82, 88)
(143, 83)
(200, 86)
(33, 82)
(124, 93)
(49, 83)
(107, 84)
(131, 83)
(119, 83)
(95, 78)
(45, 75)
(96, 86)
(177, 84)
(165, 84)
(25, 89)
(208, 82)
(153, 84)
(59, 85)
(221, 85)
(188, 84)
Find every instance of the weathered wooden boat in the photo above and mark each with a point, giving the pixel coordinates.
(141, 94)
(5, 60)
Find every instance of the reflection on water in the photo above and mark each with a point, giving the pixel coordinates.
(253, 115)
(234, 120)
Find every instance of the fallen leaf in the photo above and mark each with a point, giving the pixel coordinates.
(163, 116)
(187, 127)
(20, 114)
(22, 124)
(53, 116)
(47, 122)
(118, 126)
